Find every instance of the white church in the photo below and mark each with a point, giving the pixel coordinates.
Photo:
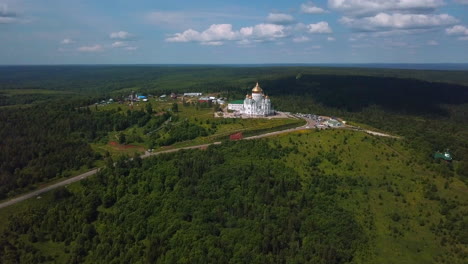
(256, 104)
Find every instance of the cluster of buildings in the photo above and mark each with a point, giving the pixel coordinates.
(136, 97)
(211, 99)
(254, 104)
(322, 121)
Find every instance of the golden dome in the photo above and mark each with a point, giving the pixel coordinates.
(267, 97)
(257, 89)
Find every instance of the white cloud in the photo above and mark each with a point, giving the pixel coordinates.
(266, 31)
(463, 2)
(457, 30)
(280, 19)
(120, 35)
(300, 39)
(216, 34)
(213, 43)
(319, 28)
(67, 41)
(119, 44)
(432, 43)
(131, 48)
(310, 8)
(369, 7)
(94, 48)
(384, 21)
(331, 39)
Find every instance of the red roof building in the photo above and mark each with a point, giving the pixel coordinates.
(236, 136)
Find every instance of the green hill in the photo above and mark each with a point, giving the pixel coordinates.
(331, 196)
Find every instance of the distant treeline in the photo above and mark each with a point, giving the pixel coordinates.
(99, 79)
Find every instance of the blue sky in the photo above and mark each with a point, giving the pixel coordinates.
(219, 32)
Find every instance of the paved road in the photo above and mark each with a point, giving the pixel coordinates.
(146, 155)
(47, 188)
(308, 125)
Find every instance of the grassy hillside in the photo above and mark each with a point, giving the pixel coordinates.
(331, 196)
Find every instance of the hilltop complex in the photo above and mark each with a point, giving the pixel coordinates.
(255, 104)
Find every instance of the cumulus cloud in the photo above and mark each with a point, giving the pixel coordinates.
(463, 2)
(280, 19)
(331, 39)
(217, 34)
(457, 30)
(264, 31)
(120, 35)
(310, 8)
(319, 28)
(384, 21)
(369, 7)
(94, 48)
(67, 41)
(432, 43)
(131, 48)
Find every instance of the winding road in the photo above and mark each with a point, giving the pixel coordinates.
(308, 125)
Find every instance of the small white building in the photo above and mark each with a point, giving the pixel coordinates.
(333, 123)
(192, 94)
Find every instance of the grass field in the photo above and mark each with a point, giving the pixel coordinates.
(385, 190)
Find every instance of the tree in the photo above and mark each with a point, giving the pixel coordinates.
(149, 108)
(122, 138)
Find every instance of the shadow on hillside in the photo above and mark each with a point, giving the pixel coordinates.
(353, 93)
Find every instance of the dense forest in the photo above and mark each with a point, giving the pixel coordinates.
(280, 200)
(313, 197)
(49, 140)
(213, 206)
(100, 79)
